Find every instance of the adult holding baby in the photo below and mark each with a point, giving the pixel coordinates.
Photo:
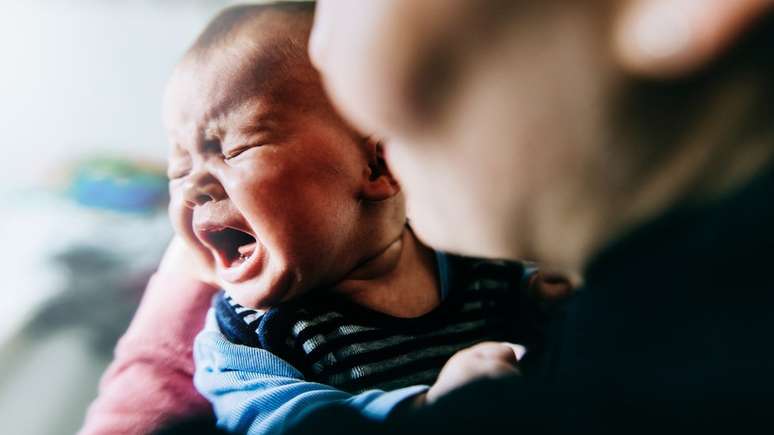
(154, 370)
(638, 154)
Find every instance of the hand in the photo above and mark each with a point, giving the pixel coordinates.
(182, 260)
(484, 360)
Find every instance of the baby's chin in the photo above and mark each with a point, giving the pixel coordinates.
(264, 291)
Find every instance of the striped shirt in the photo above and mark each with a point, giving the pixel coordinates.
(338, 343)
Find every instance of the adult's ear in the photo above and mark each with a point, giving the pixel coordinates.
(671, 38)
(378, 183)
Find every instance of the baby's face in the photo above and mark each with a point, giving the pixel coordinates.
(266, 192)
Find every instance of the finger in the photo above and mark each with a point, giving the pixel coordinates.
(518, 350)
(668, 38)
(503, 352)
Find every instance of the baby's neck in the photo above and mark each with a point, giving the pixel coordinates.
(400, 281)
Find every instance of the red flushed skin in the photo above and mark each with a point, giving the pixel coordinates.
(298, 180)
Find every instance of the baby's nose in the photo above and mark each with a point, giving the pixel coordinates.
(202, 188)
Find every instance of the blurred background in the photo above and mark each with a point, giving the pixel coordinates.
(84, 213)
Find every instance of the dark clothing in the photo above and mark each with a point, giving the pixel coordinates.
(670, 334)
(338, 343)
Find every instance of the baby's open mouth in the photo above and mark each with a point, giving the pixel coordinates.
(231, 246)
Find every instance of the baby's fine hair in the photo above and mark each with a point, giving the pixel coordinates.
(273, 37)
(235, 20)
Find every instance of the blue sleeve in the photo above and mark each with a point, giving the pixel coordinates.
(255, 392)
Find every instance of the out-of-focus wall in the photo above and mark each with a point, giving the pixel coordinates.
(83, 221)
(85, 76)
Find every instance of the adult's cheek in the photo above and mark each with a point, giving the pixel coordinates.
(365, 52)
(340, 48)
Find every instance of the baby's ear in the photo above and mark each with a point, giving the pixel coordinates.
(378, 183)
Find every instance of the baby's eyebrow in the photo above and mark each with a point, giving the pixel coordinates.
(257, 128)
(260, 122)
(259, 113)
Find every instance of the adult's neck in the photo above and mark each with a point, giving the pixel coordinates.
(400, 281)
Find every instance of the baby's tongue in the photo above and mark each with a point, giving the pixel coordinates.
(246, 250)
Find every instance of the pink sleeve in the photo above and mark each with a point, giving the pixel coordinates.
(150, 380)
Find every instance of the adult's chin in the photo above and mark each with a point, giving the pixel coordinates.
(459, 235)
(430, 231)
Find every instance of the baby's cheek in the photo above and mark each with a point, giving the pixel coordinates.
(177, 215)
(181, 218)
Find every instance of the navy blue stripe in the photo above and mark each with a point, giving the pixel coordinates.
(394, 351)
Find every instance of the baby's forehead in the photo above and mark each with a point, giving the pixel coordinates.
(244, 83)
(221, 81)
(237, 61)
(256, 38)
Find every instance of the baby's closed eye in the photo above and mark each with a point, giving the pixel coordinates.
(237, 151)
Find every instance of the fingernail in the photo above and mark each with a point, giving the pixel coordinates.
(518, 349)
